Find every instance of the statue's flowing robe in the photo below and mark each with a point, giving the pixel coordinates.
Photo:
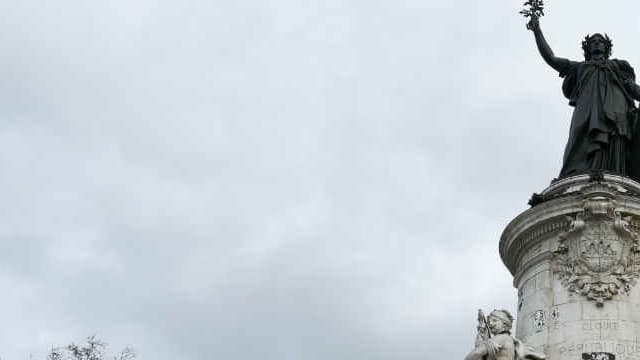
(601, 125)
(522, 351)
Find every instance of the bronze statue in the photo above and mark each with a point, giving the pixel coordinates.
(602, 91)
(494, 340)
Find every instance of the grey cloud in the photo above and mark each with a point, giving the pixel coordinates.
(283, 179)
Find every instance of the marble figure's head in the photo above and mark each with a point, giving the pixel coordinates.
(500, 321)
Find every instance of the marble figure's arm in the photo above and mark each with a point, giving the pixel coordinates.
(478, 353)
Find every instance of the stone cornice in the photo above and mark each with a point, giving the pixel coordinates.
(565, 200)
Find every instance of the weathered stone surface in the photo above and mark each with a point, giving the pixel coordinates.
(575, 262)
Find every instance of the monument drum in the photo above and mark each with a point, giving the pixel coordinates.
(602, 91)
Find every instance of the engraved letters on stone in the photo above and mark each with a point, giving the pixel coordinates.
(598, 257)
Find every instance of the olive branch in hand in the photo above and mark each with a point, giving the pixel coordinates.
(535, 10)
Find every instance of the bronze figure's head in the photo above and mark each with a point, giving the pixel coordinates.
(597, 44)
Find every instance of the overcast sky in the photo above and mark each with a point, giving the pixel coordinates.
(273, 179)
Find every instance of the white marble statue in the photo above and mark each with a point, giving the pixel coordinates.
(494, 340)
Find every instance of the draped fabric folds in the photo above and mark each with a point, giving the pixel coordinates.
(603, 121)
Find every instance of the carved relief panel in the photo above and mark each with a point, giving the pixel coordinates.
(598, 257)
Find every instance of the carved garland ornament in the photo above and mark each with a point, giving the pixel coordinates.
(598, 257)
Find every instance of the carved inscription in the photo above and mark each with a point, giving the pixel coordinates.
(597, 325)
(623, 350)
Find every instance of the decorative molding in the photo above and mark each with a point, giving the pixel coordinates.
(546, 221)
(529, 240)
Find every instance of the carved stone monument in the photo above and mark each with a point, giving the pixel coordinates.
(575, 258)
(575, 254)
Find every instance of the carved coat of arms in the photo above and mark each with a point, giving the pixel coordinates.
(598, 257)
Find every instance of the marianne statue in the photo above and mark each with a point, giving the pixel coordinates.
(602, 91)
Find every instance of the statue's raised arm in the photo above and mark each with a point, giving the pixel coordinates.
(557, 63)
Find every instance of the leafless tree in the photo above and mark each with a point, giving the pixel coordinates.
(93, 349)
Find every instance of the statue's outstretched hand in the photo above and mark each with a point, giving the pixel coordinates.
(534, 23)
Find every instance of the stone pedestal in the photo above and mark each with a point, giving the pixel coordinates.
(576, 261)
